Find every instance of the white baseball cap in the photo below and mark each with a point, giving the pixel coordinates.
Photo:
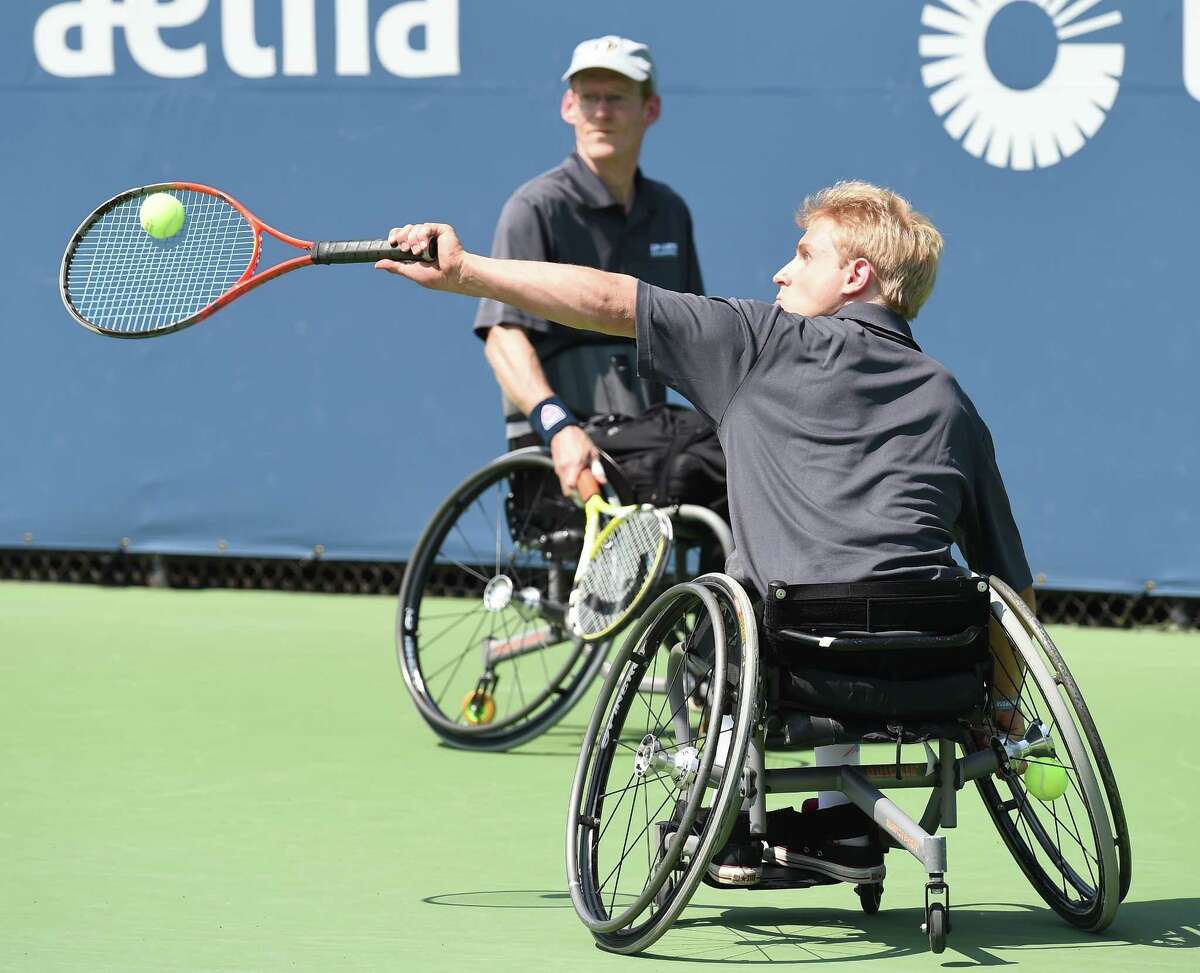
(612, 53)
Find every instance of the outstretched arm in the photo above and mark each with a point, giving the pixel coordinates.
(579, 297)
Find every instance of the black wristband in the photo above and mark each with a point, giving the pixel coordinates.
(549, 416)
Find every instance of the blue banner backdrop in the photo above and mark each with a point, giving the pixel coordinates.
(1054, 143)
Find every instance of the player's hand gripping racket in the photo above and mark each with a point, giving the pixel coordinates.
(621, 562)
(119, 280)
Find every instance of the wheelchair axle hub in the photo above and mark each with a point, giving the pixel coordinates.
(498, 593)
(1037, 742)
(685, 766)
(643, 760)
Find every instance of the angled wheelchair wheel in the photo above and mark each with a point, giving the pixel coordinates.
(660, 775)
(1073, 848)
(1091, 737)
(480, 630)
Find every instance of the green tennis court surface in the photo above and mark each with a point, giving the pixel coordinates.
(237, 781)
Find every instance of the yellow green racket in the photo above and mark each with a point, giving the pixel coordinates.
(625, 550)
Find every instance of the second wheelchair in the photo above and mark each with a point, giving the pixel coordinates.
(481, 632)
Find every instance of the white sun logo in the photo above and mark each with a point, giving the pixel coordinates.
(1014, 127)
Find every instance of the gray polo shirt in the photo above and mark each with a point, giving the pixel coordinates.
(852, 456)
(567, 215)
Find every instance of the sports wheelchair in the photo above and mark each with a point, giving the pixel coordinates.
(661, 778)
(481, 634)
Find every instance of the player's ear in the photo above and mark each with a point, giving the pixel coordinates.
(859, 274)
(652, 110)
(569, 107)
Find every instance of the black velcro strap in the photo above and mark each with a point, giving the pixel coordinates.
(945, 694)
(938, 607)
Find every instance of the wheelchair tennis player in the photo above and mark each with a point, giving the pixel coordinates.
(852, 455)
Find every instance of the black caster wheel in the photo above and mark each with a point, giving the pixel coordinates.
(936, 927)
(869, 896)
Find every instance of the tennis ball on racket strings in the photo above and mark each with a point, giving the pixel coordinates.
(1045, 778)
(161, 215)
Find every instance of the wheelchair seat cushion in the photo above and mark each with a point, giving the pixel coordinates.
(892, 684)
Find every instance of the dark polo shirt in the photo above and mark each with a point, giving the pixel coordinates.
(852, 455)
(567, 215)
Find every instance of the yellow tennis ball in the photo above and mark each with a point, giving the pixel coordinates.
(162, 215)
(478, 708)
(1045, 778)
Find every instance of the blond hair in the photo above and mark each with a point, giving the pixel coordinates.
(902, 246)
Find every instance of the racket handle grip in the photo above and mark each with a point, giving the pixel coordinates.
(366, 252)
(587, 485)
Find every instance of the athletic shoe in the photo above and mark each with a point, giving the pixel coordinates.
(815, 840)
(739, 862)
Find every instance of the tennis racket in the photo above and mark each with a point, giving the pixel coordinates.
(625, 550)
(118, 280)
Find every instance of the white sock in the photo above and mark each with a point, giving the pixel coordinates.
(835, 756)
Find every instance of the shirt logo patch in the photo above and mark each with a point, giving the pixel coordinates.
(664, 250)
(551, 414)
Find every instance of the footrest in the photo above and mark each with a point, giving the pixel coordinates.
(783, 877)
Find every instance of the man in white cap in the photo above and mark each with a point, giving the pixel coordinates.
(596, 209)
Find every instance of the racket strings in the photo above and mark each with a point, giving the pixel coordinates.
(619, 571)
(121, 279)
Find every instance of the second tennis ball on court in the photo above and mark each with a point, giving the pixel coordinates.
(161, 215)
(1046, 779)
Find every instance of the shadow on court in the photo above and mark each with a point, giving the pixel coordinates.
(823, 935)
(749, 935)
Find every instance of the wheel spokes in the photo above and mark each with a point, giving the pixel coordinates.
(1057, 839)
(615, 849)
(499, 581)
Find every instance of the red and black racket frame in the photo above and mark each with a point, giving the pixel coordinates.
(317, 252)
